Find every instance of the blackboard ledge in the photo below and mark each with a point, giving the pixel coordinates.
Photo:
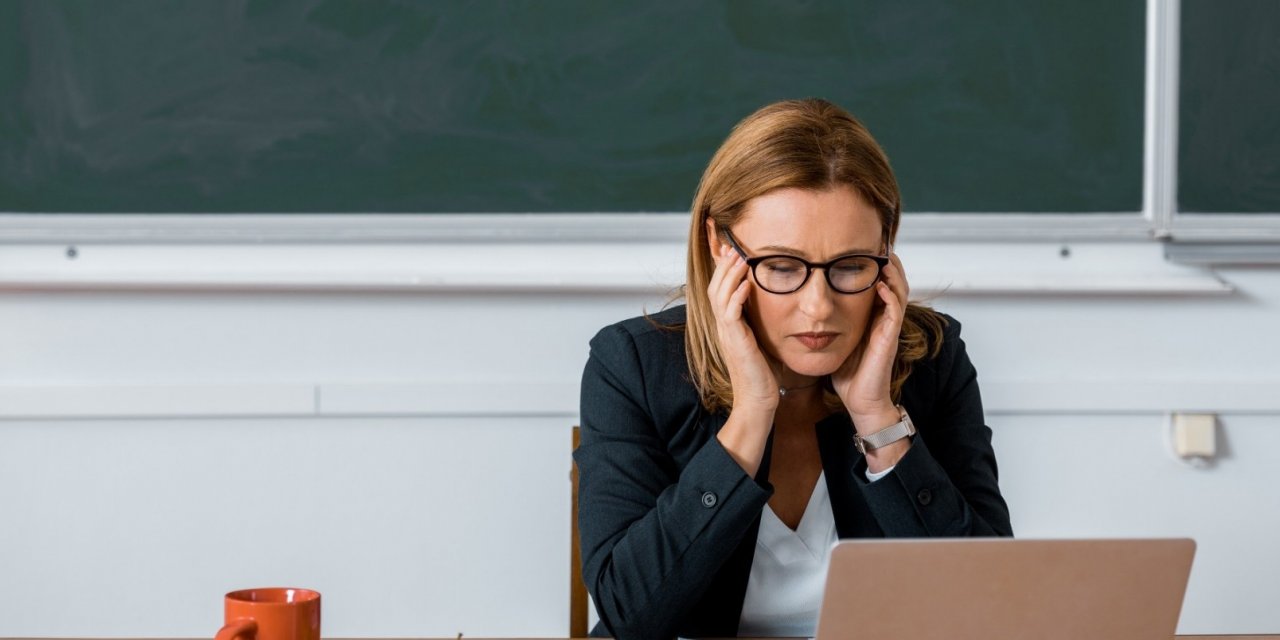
(654, 268)
(45, 228)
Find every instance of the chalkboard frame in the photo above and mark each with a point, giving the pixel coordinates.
(1158, 218)
(1209, 237)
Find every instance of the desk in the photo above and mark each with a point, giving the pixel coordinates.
(1232, 637)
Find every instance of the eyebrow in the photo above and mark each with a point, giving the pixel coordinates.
(800, 254)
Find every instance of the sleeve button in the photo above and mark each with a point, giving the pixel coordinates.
(924, 497)
(709, 499)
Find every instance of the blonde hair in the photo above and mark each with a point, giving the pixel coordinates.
(807, 144)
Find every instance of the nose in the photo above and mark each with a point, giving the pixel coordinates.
(817, 296)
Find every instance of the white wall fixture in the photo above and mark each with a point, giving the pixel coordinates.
(1194, 437)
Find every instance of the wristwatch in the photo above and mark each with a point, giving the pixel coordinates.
(888, 435)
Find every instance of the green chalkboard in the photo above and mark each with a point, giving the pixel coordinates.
(1229, 107)
(359, 106)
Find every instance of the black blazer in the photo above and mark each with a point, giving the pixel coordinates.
(668, 521)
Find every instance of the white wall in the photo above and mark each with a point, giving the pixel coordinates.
(404, 448)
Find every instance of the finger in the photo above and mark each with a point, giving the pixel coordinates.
(714, 282)
(733, 310)
(891, 299)
(734, 279)
(893, 277)
(722, 263)
(718, 277)
(900, 277)
(725, 283)
(893, 310)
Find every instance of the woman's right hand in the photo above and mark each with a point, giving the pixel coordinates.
(755, 387)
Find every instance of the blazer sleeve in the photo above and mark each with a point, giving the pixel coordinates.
(946, 484)
(652, 535)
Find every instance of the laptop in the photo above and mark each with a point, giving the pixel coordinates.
(1002, 588)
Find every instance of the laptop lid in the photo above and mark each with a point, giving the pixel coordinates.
(1002, 588)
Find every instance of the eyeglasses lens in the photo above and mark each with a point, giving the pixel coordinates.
(784, 275)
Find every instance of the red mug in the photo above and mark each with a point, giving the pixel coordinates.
(274, 613)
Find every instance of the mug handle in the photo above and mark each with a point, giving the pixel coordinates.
(238, 628)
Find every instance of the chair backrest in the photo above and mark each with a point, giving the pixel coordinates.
(577, 588)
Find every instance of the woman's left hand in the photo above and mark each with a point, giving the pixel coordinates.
(863, 381)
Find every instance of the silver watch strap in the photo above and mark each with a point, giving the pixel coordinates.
(888, 435)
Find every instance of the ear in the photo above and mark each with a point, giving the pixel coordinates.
(718, 248)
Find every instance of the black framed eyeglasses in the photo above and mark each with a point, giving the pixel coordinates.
(783, 274)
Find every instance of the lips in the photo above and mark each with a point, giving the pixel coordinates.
(816, 341)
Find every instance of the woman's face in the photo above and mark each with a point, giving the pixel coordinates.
(817, 226)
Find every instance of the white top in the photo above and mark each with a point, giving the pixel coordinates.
(789, 570)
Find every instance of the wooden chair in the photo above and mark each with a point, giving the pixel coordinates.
(577, 589)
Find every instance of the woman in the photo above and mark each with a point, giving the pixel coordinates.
(797, 397)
